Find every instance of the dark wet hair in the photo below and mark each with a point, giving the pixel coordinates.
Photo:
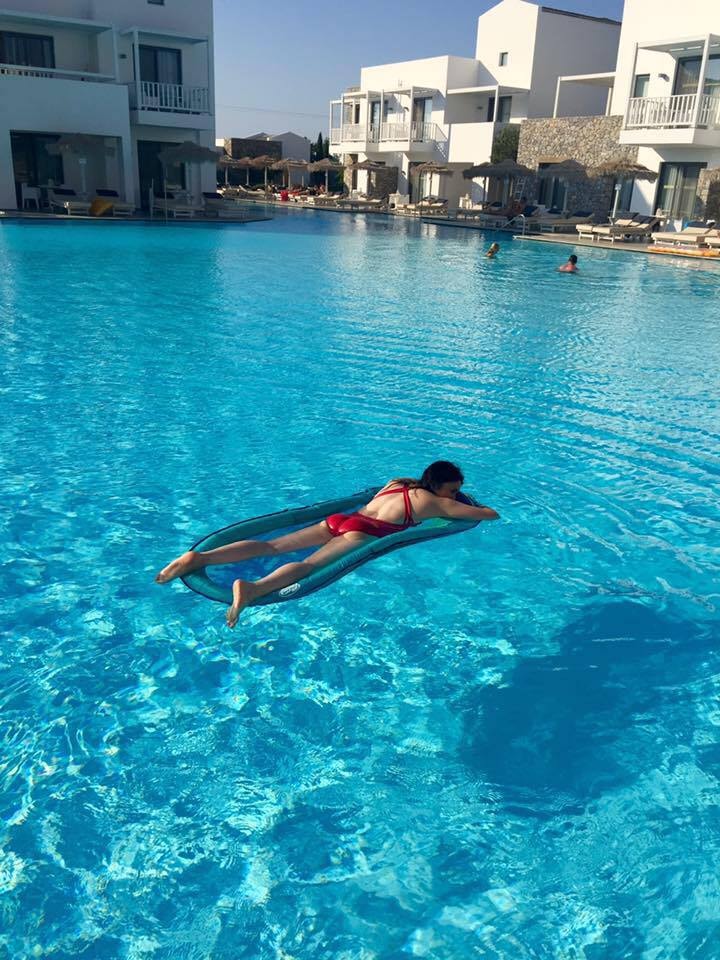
(440, 472)
(434, 476)
(572, 258)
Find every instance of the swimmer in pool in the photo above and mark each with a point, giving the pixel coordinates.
(494, 248)
(401, 503)
(571, 265)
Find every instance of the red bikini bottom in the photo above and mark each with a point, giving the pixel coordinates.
(340, 523)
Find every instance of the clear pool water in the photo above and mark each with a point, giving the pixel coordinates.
(500, 745)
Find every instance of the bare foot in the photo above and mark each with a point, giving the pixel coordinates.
(178, 568)
(242, 595)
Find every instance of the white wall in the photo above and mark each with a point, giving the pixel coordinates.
(294, 147)
(658, 21)
(569, 45)
(509, 27)
(61, 106)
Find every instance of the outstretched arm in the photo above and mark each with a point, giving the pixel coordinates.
(464, 511)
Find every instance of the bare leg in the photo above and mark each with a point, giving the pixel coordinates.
(245, 591)
(312, 536)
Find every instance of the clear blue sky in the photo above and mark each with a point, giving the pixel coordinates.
(277, 66)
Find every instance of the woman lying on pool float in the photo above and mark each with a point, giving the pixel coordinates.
(400, 504)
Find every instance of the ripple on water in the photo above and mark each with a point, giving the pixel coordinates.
(502, 744)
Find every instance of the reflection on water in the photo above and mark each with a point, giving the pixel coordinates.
(499, 744)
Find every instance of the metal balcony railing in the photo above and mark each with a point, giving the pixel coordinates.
(675, 111)
(169, 97)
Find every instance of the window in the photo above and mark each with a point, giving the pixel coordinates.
(160, 65)
(27, 50)
(553, 192)
(504, 109)
(677, 189)
(626, 191)
(503, 59)
(491, 109)
(641, 85)
(687, 75)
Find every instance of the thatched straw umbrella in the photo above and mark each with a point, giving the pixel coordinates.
(80, 145)
(326, 165)
(433, 169)
(369, 166)
(569, 171)
(230, 163)
(287, 165)
(621, 171)
(185, 153)
(264, 163)
(505, 170)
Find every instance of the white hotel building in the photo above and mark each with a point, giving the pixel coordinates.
(666, 89)
(450, 109)
(138, 74)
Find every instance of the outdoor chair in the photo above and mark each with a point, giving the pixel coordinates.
(66, 200)
(712, 239)
(611, 231)
(691, 236)
(120, 208)
(28, 195)
(217, 205)
(173, 207)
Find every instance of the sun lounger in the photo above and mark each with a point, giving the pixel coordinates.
(712, 239)
(65, 199)
(557, 224)
(218, 206)
(173, 207)
(693, 236)
(120, 208)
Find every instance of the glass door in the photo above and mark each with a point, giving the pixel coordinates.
(677, 189)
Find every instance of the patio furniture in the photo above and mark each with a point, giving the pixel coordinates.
(557, 224)
(28, 195)
(613, 231)
(120, 208)
(66, 200)
(712, 239)
(691, 236)
(217, 205)
(175, 207)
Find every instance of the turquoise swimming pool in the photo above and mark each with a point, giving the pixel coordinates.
(504, 744)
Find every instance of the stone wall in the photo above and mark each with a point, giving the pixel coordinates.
(709, 194)
(591, 141)
(380, 183)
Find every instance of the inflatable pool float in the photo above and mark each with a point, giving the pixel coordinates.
(215, 582)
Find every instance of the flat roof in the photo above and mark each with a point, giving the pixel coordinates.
(488, 88)
(581, 16)
(681, 44)
(164, 35)
(594, 79)
(86, 26)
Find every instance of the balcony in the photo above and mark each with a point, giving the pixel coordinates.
(46, 73)
(415, 138)
(169, 97)
(683, 119)
(170, 104)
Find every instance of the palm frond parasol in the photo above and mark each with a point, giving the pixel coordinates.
(186, 152)
(326, 166)
(505, 170)
(621, 171)
(80, 145)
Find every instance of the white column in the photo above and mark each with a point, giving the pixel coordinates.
(632, 86)
(608, 99)
(701, 81)
(136, 62)
(412, 112)
(557, 96)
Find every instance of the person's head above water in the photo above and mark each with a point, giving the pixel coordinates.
(442, 478)
(572, 259)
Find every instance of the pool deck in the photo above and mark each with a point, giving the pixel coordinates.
(709, 257)
(45, 217)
